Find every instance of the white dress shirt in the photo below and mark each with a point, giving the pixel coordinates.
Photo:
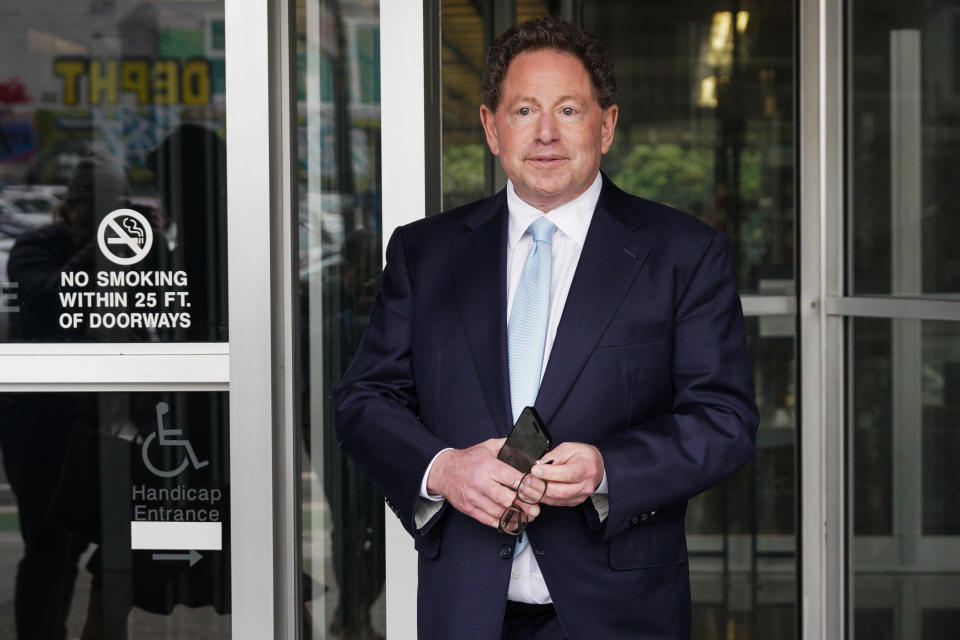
(572, 220)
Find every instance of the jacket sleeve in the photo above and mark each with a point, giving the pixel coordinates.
(376, 406)
(711, 429)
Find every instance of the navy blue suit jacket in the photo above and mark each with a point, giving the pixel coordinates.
(649, 364)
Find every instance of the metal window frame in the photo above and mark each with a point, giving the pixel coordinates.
(114, 367)
(261, 150)
(893, 307)
(820, 218)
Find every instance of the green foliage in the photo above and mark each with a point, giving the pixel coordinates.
(668, 173)
(463, 169)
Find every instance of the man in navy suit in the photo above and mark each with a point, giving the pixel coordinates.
(645, 383)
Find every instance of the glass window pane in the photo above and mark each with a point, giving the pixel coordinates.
(706, 125)
(114, 515)
(706, 120)
(742, 533)
(112, 172)
(941, 428)
(905, 545)
(940, 624)
(872, 416)
(706, 116)
(904, 94)
(466, 161)
(338, 106)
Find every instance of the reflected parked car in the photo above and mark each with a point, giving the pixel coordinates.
(28, 207)
(6, 244)
(322, 230)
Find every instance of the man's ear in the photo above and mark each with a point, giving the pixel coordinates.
(608, 122)
(490, 128)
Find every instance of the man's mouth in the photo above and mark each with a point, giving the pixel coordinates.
(546, 161)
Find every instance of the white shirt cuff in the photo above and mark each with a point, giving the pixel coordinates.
(601, 498)
(426, 474)
(428, 504)
(602, 487)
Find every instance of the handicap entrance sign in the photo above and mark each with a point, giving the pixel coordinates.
(174, 518)
(169, 437)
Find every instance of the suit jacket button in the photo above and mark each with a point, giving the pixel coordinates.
(634, 521)
(645, 517)
(506, 551)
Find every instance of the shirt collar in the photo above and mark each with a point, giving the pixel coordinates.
(572, 218)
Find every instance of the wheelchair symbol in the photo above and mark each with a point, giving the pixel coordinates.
(167, 438)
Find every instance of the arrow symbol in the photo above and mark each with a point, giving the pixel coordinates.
(192, 556)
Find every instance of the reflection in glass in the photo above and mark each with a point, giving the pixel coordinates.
(107, 106)
(941, 429)
(903, 373)
(86, 472)
(338, 87)
(904, 94)
(872, 418)
(464, 45)
(706, 120)
(741, 534)
(904, 479)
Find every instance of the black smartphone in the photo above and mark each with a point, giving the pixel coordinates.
(527, 442)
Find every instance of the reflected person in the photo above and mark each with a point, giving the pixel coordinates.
(35, 429)
(190, 171)
(97, 186)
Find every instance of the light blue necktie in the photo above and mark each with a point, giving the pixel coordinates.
(527, 329)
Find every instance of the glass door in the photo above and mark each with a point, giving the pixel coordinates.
(902, 306)
(338, 222)
(121, 512)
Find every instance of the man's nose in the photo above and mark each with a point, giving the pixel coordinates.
(547, 130)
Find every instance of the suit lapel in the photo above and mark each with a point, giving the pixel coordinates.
(609, 263)
(479, 269)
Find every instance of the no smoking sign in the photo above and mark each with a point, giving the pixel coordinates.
(125, 237)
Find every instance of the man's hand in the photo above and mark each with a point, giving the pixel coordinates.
(574, 475)
(475, 483)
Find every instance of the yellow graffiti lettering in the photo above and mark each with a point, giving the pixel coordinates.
(196, 82)
(166, 83)
(103, 80)
(71, 69)
(136, 79)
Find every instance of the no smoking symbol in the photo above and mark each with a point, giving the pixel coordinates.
(125, 237)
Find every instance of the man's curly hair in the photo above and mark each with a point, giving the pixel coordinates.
(547, 33)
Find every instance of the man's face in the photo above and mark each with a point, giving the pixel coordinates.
(548, 130)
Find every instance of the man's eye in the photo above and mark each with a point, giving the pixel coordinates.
(568, 111)
(524, 111)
